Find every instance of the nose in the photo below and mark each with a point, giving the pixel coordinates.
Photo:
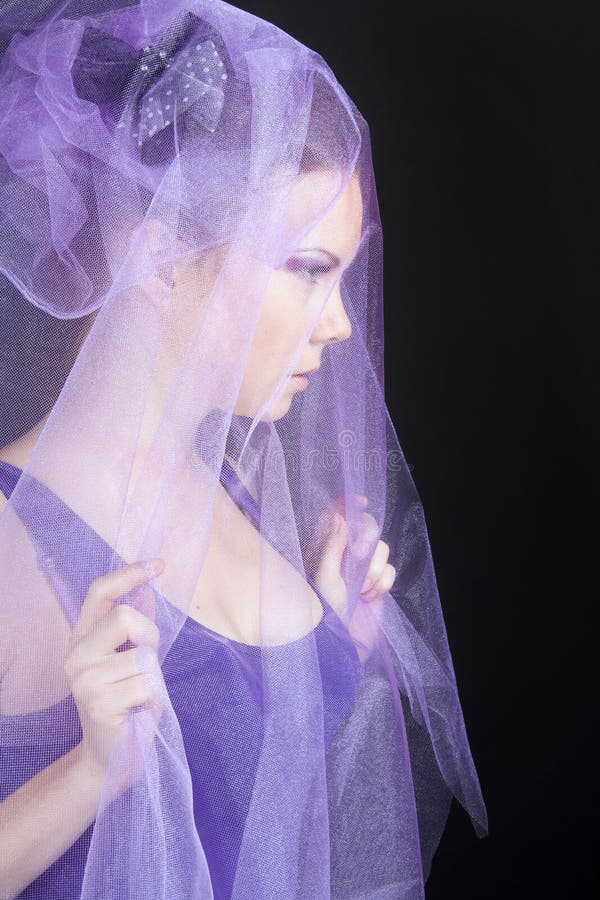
(333, 323)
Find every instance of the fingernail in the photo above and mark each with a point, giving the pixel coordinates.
(153, 567)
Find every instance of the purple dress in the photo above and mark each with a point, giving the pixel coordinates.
(220, 717)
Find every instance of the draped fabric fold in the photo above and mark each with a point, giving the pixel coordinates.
(192, 371)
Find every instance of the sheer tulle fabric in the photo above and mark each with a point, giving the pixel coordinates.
(141, 241)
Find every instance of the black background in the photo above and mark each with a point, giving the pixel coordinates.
(481, 117)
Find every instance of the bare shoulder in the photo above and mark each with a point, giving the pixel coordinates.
(18, 451)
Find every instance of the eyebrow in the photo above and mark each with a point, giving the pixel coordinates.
(334, 259)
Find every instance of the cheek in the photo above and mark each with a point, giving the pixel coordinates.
(285, 319)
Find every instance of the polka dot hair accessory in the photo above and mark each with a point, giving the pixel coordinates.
(160, 82)
(194, 82)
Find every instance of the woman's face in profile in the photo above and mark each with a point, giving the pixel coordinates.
(301, 310)
(303, 303)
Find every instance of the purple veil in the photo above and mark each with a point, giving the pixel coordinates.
(188, 219)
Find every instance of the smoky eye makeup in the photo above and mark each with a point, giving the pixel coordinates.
(309, 268)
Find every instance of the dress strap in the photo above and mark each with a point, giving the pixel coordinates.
(9, 475)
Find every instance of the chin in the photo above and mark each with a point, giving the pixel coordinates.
(276, 411)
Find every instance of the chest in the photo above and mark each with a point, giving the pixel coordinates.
(247, 590)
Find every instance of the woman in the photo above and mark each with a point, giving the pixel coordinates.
(276, 715)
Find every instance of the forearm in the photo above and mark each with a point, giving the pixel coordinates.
(44, 817)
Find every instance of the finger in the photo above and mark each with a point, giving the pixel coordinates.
(378, 561)
(324, 525)
(367, 533)
(122, 624)
(340, 504)
(382, 585)
(139, 690)
(119, 666)
(143, 598)
(103, 592)
(331, 559)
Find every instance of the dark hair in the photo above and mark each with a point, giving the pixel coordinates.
(32, 340)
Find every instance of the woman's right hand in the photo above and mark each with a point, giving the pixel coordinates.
(107, 683)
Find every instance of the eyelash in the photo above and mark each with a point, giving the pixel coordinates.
(307, 270)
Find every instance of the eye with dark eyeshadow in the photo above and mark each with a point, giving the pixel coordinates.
(308, 269)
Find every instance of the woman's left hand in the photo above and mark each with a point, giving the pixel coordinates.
(329, 542)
